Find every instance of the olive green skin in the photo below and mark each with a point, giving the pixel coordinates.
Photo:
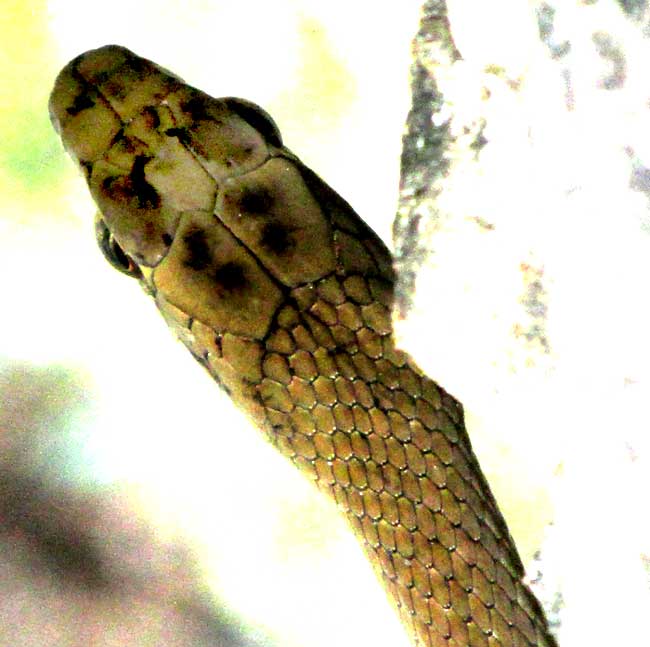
(282, 292)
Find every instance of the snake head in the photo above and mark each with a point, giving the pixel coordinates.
(150, 146)
(198, 197)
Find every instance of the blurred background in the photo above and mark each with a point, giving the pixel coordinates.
(136, 507)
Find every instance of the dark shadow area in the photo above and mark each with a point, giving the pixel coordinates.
(82, 566)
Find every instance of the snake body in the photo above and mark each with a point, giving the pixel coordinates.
(282, 292)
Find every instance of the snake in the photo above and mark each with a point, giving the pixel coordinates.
(284, 294)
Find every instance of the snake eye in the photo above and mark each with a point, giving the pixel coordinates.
(256, 117)
(113, 253)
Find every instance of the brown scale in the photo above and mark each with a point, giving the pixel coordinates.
(284, 295)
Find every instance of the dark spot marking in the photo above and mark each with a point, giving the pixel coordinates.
(276, 238)
(99, 78)
(258, 398)
(141, 67)
(117, 82)
(118, 188)
(180, 133)
(230, 276)
(127, 144)
(198, 252)
(256, 200)
(167, 240)
(145, 193)
(81, 102)
(124, 188)
(116, 88)
(257, 118)
(196, 108)
(151, 117)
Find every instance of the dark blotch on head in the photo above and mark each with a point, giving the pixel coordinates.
(195, 108)
(99, 78)
(120, 189)
(167, 240)
(140, 66)
(115, 87)
(256, 200)
(276, 238)
(198, 252)
(81, 102)
(180, 133)
(230, 276)
(147, 196)
(125, 143)
(132, 187)
(151, 117)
